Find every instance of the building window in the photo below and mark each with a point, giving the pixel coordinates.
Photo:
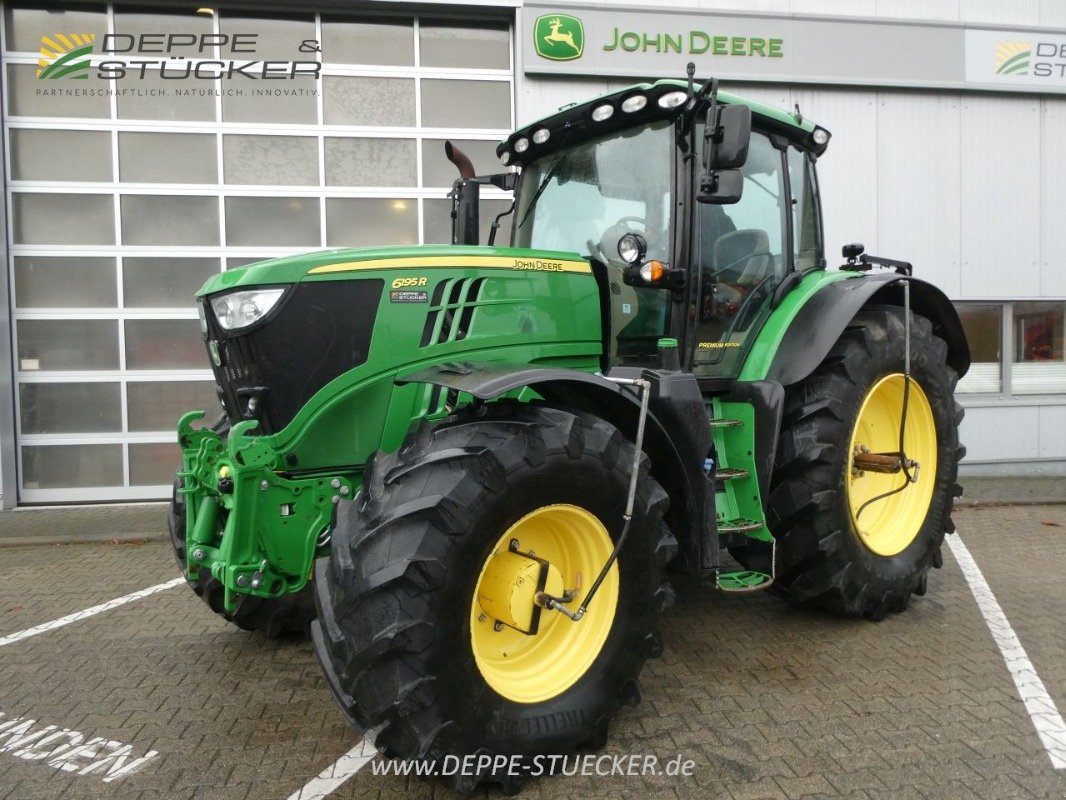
(983, 326)
(122, 205)
(1015, 348)
(1038, 366)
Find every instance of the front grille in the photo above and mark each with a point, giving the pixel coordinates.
(321, 330)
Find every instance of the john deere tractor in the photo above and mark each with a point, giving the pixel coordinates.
(471, 469)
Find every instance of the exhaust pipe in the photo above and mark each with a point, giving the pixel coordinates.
(465, 195)
(460, 159)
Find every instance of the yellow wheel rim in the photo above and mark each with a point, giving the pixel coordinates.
(532, 669)
(889, 525)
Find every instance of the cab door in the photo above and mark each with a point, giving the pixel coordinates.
(740, 254)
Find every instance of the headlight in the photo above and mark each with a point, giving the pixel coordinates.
(541, 136)
(632, 247)
(240, 309)
(820, 136)
(521, 145)
(634, 103)
(203, 318)
(601, 113)
(672, 99)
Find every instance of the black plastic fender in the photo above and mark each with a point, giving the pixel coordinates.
(593, 394)
(820, 322)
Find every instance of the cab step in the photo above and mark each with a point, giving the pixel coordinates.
(741, 581)
(748, 580)
(726, 423)
(739, 526)
(730, 474)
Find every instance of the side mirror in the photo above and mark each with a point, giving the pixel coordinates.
(726, 138)
(725, 149)
(721, 187)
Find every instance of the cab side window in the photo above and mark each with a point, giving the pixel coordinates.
(806, 224)
(741, 255)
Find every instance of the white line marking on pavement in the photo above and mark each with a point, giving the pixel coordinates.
(89, 612)
(1042, 711)
(330, 779)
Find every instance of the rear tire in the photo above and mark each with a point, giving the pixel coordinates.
(823, 560)
(395, 632)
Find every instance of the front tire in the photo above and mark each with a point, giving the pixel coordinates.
(408, 651)
(832, 552)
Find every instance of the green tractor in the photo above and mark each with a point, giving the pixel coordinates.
(470, 469)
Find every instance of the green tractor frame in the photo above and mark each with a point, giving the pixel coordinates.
(470, 470)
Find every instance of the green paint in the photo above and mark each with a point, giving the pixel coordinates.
(257, 523)
(742, 581)
(558, 37)
(763, 350)
(741, 500)
(522, 316)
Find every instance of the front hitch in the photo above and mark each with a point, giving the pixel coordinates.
(254, 529)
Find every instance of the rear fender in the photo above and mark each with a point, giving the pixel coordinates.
(818, 324)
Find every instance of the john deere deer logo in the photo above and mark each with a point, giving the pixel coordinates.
(558, 37)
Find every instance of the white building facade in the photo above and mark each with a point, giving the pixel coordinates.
(117, 204)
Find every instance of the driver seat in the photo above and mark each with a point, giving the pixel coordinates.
(746, 252)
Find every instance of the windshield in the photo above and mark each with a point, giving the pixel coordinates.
(583, 199)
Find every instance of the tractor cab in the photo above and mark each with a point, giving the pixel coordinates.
(693, 233)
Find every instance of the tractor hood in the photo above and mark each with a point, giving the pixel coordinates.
(334, 264)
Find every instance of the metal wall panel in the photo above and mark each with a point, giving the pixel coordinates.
(1053, 13)
(1000, 197)
(918, 183)
(1052, 198)
(848, 172)
(947, 10)
(997, 12)
(777, 6)
(838, 8)
(538, 98)
(1052, 429)
(1001, 433)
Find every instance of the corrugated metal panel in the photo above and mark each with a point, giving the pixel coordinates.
(778, 6)
(997, 433)
(1000, 197)
(775, 95)
(1053, 13)
(1052, 429)
(1015, 12)
(848, 172)
(918, 184)
(919, 9)
(1053, 198)
(537, 98)
(838, 8)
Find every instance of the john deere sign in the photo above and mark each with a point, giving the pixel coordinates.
(578, 38)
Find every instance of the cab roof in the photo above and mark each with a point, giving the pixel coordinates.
(575, 123)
